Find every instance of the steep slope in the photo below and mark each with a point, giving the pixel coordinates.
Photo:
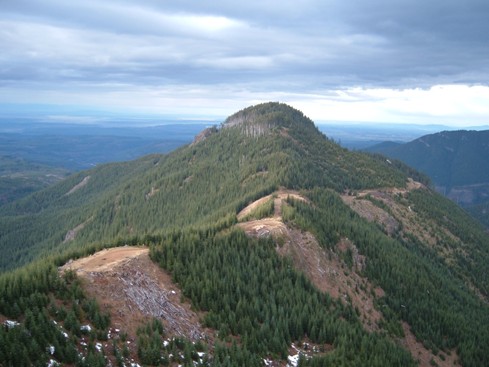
(481, 213)
(286, 244)
(132, 288)
(254, 152)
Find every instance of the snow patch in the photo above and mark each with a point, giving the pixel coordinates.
(86, 328)
(293, 361)
(11, 324)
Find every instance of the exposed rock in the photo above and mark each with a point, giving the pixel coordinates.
(204, 134)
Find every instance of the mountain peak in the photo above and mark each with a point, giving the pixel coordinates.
(260, 119)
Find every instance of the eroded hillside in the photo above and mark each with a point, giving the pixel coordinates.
(338, 271)
(133, 289)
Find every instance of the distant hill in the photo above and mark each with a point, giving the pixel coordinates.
(456, 162)
(19, 178)
(75, 147)
(363, 135)
(270, 245)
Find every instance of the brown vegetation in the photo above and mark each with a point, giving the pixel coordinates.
(133, 289)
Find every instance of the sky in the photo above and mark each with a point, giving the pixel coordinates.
(385, 61)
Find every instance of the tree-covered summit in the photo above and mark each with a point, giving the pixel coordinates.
(271, 114)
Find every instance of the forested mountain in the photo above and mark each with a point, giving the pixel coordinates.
(456, 161)
(283, 242)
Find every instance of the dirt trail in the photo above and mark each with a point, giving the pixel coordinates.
(278, 198)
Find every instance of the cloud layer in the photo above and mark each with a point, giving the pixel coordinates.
(214, 57)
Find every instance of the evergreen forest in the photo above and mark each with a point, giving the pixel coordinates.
(432, 264)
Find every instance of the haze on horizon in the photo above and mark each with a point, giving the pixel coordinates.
(379, 61)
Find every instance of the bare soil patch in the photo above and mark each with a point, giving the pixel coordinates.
(278, 196)
(372, 213)
(264, 228)
(400, 213)
(329, 273)
(105, 260)
(423, 355)
(133, 289)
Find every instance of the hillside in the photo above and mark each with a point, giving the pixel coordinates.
(454, 160)
(35, 154)
(279, 246)
(195, 185)
(480, 212)
(19, 178)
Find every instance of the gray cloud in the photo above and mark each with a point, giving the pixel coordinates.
(274, 46)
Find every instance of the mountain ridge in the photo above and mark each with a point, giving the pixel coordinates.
(248, 166)
(456, 163)
(393, 246)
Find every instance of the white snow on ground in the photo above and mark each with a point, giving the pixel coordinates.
(293, 361)
(86, 328)
(11, 324)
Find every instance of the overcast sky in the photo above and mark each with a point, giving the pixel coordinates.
(416, 61)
